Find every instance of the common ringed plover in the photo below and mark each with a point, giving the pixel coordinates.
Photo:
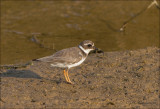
(69, 57)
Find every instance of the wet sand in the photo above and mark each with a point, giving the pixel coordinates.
(122, 79)
(63, 24)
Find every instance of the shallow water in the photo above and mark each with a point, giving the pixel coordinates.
(59, 25)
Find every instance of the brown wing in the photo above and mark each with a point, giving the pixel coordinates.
(69, 55)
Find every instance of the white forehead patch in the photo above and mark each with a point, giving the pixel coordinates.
(89, 43)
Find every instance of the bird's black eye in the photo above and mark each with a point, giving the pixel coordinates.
(89, 45)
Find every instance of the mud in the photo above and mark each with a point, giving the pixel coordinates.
(125, 79)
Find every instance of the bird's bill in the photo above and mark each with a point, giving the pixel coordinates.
(94, 48)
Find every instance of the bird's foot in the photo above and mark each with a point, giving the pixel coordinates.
(70, 82)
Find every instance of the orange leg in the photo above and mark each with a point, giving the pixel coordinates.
(65, 75)
(68, 77)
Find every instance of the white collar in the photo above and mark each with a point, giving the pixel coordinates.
(86, 51)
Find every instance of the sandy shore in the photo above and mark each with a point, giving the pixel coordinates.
(125, 79)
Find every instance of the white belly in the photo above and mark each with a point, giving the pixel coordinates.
(76, 64)
(68, 65)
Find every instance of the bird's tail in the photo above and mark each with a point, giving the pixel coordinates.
(35, 60)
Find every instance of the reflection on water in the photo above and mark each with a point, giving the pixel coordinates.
(59, 25)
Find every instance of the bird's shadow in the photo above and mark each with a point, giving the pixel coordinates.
(20, 74)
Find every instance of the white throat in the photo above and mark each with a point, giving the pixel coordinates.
(86, 51)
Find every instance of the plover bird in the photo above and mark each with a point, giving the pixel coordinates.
(69, 57)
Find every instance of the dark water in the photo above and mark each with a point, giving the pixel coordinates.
(59, 25)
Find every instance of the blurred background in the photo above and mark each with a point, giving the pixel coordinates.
(62, 24)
